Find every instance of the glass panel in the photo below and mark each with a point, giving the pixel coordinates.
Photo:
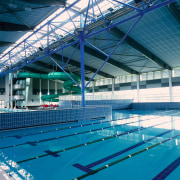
(165, 74)
(143, 77)
(176, 73)
(134, 77)
(117, 79)
(157, 75)
(123, 80)
(150, 76)
(128, 78)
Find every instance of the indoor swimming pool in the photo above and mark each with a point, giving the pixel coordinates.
(134, 145)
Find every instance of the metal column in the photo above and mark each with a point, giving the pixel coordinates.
(11, 91)
(113, 82)
(48, 86)
(93, 86)
(170, 86)
(82, 71)
(138, 80)
(55, 87)
(81, 38)
(40, 90)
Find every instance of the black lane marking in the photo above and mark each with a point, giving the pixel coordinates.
(91, 142)
(87, 167)
(168, 170)
(33, 143)
(122, 159)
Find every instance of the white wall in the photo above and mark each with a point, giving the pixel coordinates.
(34, 100)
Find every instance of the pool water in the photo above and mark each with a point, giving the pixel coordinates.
(134, 145)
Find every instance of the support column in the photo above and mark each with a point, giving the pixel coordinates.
(138, 82)
(82, 71)
(11, 91)
(48, 87)
(82, 62)
(113, 82)
(55, 87)
(170, 86)
(93, 85)
(40, 90)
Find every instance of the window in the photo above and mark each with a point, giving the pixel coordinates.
(165, 74)
(123, 79)
(157, 75)
(128, 78)
(134, 78)
(150, 76)
(143, 77)
(176, 73)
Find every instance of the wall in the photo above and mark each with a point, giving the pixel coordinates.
(115, 104)
(2, 86)
(5, 84)
(33, 98)
(156, 106)
(150, 90)
(133, 85)
(34, 118)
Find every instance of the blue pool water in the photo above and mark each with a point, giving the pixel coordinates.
(135, 145)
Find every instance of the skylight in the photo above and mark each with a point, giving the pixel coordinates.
(60, 26)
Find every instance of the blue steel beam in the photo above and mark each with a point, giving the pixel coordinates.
(78, 64)
(131, 28)
(70, 56)
(133, 43)
(102, 56)
(149, 9)
(40, 27)
(128, 5)
(153, 7)
(101, 13)
(81, 19)
(50, 67)
(20, 65)
(82, 70)
(64, 71)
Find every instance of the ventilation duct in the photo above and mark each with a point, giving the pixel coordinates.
(4, 43)
(4, 26)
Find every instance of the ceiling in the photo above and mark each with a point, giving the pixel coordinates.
(153, 45)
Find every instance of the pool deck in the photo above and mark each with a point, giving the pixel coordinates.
(4, 175)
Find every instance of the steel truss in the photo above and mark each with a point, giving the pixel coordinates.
(46, 39)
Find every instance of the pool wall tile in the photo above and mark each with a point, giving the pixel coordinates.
(115, 103)
(156, 106)
(34, 118)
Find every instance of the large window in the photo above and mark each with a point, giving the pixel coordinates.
(102, 82)
(176, 72)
